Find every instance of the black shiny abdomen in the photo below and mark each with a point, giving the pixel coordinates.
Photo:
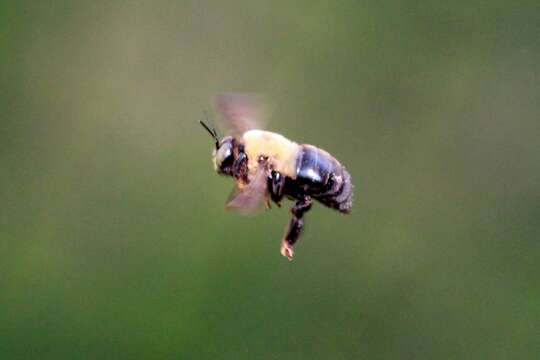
(320, 176)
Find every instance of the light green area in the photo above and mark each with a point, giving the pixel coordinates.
(114, 243)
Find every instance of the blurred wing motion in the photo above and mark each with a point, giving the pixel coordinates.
(250, 199)
(242, 112)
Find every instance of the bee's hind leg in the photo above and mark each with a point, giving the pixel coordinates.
(296, 226)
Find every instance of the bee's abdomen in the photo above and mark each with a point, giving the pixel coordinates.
(321, 176)
(341, 193)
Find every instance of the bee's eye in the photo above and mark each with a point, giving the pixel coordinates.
(224, 157)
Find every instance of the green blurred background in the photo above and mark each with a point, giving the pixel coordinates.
(114, 242)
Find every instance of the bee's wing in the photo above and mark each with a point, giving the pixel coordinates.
(242, 112)
(251, 199)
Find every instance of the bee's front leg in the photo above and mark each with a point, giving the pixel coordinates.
(295, 226)
(240, 167)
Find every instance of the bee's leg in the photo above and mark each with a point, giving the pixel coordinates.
(276, 184)
(240, 167)
(295, 226)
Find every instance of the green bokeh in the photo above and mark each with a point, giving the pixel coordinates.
(114, 242)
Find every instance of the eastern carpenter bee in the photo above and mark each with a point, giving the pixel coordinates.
(267, 166)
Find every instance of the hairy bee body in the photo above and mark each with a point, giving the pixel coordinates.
(308, 170)
(280, 151)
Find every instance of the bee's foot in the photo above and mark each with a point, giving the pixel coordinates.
(287, 250)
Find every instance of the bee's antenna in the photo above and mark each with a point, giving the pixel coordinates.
(212, 131)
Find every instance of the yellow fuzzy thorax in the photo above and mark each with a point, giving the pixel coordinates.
(281, 152)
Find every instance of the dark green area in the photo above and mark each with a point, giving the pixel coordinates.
(114, 242)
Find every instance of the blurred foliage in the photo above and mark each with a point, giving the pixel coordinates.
(114, 242)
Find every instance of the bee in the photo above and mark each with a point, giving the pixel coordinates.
(266, 167)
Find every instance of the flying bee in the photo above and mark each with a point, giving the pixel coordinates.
(266, 167)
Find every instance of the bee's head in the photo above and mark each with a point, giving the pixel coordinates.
(223, 154)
